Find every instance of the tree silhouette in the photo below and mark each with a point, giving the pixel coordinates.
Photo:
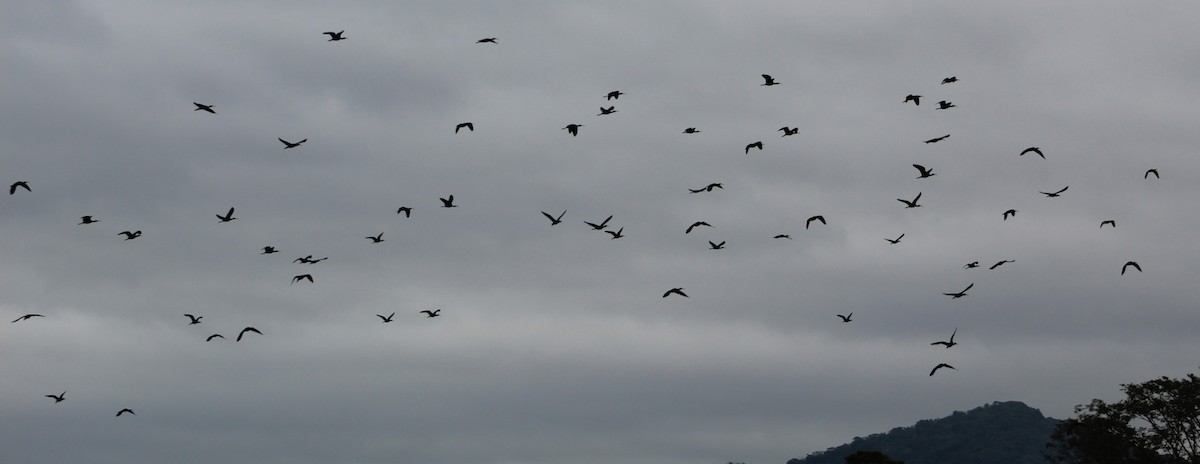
(870, 457)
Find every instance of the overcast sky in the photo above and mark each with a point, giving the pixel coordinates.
(554, 343)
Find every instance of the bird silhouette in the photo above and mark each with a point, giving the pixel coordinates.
(573, 129)
(376, 239)
(924, 172)
(757, 144)
(949, 343)
(269, 249)
(913, 203)
(1033, 150)
(615, 235)
(677, 291)
(609, 110)
(691, 130)
(130, 235)
(716, 246)
(955, 296)
(387, 319)
(895, 240)
(300, 277)
(406, 210)
(814, 218)
(428, 313)
(247, 329)
(195, 319)
(916, 99)
(938, 139)
(20, 183)
(601, 225)
(491, 40)
(203, 107)
(448, 202)
(789, 237)
(1131, 263)
(1055, 194)
(845, 318)
(769, 80)
(971, 265)
(939, 366)
(1151, 171)
(1109, 222)
(123, 411)
(87, 220)
(707, 188)
(211, 337)
(227, 217)
(335, 36)
(1010, 213)
(950, 79)
(288, 144)
(695, 225)
(469, 126)
(998, 264)
(554, 220)
(789, 130)
(942, 105)
(614, 95)
(27, 317)
(59, 397)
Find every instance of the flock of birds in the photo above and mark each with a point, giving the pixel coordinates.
(601, 225)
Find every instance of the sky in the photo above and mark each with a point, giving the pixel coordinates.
(554, 344)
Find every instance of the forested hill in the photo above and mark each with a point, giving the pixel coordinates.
(1006, 432)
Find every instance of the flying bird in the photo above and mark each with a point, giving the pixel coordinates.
(300, 277)
(614, 95)
(971, 265)
(944, 105)
(387, 319)
(448, 202)
(757, 144)
(1055, 194)
(814, 218)
(211, 337)
(491, 40)
(247, 329)
(20, 183)
(938, 139)
(789, 130)
(845, 318)
(335, 36)
(691, 130)
(789, 237)
(1131, 263)
(924, 173)
(406, 210)
(376, 239)
(1151, 171)
(708, 188)
(131, 235)
(469, 126)
(769, 80)
(123, 411)
(716, 246)
(269, 249)
(195, 319)
(695, 225)
(227, 217)
(308, 260)
(1033, 150)
(434, 313)
(916, 99)
(554, 220)
(203, 107)
(59, 397)
(27, 317)
(290, 144)
(1010, 213)
(949, 343)
(1001, 263)
(573, 129)
(895, 240)
(87, 220)
(939, 366)
(1109, 222)
(950, 79)
(913, 203)
(677, 291)
(955, 296)
(601, 225)
(617, 234)
(609, 110)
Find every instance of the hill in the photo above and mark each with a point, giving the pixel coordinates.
(1008, 432)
